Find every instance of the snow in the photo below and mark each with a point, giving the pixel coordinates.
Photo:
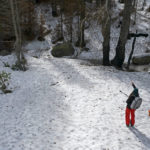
(70, 104)
(36, 48)
(142, 55)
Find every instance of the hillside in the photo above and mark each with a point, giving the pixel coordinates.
(74, 104)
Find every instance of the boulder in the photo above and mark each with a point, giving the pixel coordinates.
(141, 59)
(64, 49)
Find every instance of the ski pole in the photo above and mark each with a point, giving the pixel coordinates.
(123, 93)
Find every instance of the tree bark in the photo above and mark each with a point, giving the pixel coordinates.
(135, 3)
(61, 25)
(131, 52)
(71, 21)
(17, 29)
(144, 3)
(120, 49)
(82, 24)
(106, 26)
(121, 1)
(54, 9)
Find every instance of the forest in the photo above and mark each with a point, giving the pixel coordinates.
(19, 26)
(67, 71)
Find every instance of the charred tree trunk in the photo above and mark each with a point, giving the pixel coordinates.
(120, 49)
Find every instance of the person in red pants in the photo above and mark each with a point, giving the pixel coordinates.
(130, 111)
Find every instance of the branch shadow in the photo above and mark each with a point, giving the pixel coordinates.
(142, 137)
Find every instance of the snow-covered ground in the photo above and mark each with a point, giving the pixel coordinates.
(68, 104)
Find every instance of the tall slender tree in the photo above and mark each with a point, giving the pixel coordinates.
(106, 26)
(82, 23)
(17, 29)
(120, 49)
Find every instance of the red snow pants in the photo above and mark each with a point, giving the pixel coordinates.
(127, 117)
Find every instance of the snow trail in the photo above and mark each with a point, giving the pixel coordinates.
(61, 104)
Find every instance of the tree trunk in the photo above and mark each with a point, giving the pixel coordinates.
(106, 25)
(78, 34)
(135, 13)
(17, 29)
(121, 1)
(71, 20)
(98, 3)
(82, 24)
(120, 49)
(130, 57)
(16, 25)
(144, 3)
(54, 9)
(61, 25)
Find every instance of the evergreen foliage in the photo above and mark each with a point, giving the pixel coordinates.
(4, 81)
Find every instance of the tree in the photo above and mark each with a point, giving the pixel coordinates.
(17, 29)
(135, 3)
(106, 26)
(54, 8)
(144, 3)
(70, 8)
(121, 1)
(26, 19)
(81, 21)
(6, 29)
(120, 49)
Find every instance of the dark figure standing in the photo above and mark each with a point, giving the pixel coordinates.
(129, 111)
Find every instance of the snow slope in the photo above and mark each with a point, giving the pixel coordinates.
(68, 104)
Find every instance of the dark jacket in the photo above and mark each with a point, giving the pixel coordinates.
(130, 100)
(132, 96)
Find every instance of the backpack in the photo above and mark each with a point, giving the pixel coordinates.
(136, 103)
